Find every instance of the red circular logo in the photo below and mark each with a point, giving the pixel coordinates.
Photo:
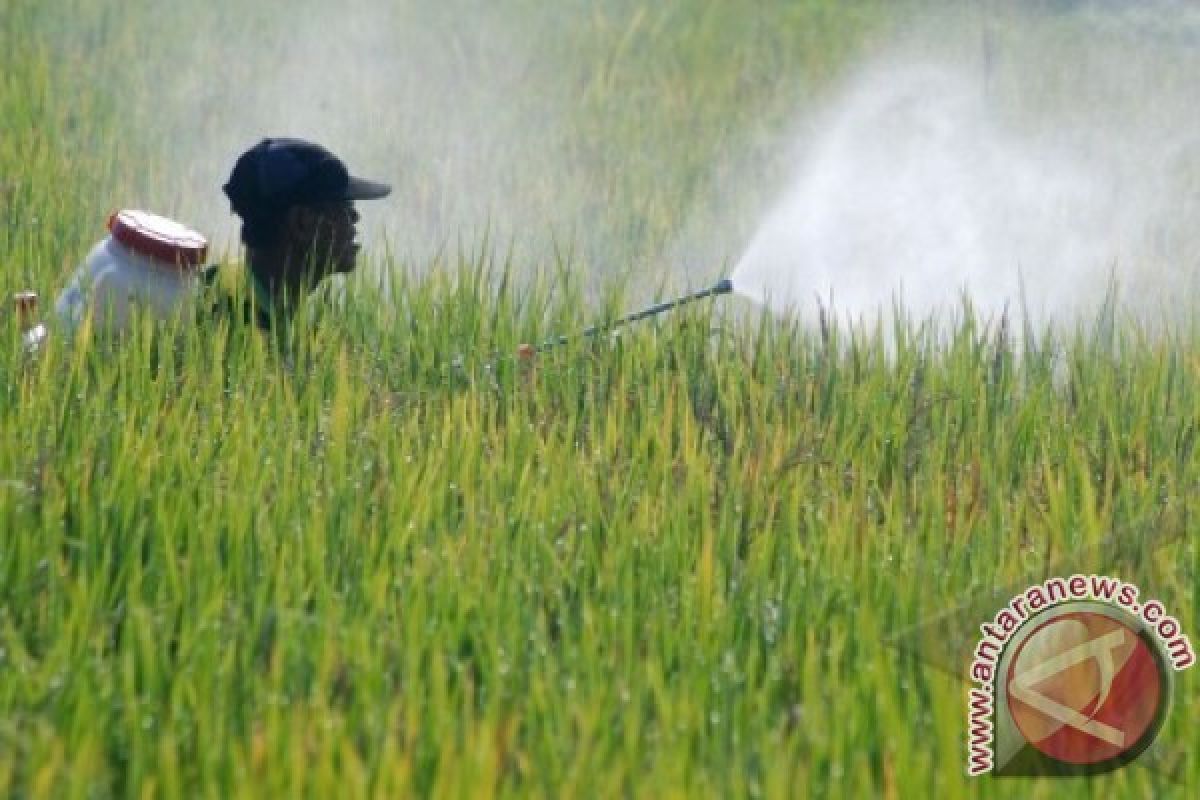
(1086, 688)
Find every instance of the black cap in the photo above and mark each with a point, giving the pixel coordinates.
(278, 173)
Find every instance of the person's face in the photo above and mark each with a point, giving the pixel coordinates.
(326, 235)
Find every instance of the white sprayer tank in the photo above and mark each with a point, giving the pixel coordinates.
(146, 261)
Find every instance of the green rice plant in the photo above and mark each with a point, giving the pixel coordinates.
(387, 558)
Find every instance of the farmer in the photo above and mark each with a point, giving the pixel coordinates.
(296, 201)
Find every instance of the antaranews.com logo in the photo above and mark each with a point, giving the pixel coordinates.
(1072, 677)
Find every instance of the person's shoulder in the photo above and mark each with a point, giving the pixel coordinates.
(226, 278)
(229, 291)
(221, 294)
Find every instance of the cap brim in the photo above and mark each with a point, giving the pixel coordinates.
(362, 189)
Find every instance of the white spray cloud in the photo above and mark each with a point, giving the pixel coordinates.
(931, 176)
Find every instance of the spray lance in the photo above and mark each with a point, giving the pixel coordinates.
(724, 286)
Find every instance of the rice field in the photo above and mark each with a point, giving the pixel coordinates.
(388, 560)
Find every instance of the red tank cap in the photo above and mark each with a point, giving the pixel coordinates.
(159, 238)
(25, 302)
(26, 305)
